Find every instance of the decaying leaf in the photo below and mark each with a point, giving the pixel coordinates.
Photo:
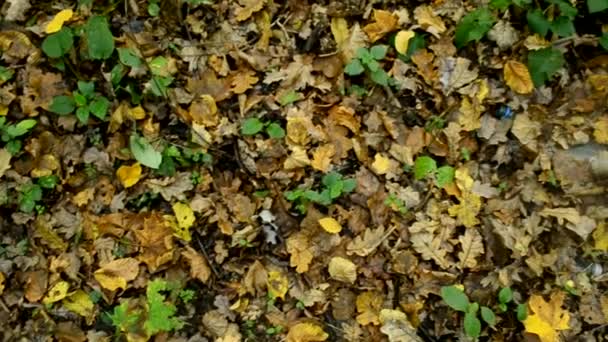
(518, 77)
(117, 273)
(396, 327)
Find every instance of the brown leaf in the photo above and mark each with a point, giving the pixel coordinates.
(424, 66)
(384, 22)
(198, 265)
(429, 21)
(117, 273)
(321, 157)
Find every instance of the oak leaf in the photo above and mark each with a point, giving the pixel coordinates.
(472, 247)
(365, 243)
(322, 156)
(247, 8)
(368, 305)
(429, 247)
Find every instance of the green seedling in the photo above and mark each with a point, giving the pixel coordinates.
(456, 299)
(334, 185)
(395, 203)
(252, 126)
(426, 166)
(84, 101)
(30, 193)
(473, 26)
(367, 60)
(10, 133)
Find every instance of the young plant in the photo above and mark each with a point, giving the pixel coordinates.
(426, 166)
(505, 296)
(544, 63)
(456, 299)
(473, 26)
(366, 60)
(144, 152)
(334, 185)
(10, 133)
(31, 193)
(84, 101)
(253, 126)
(395, 203)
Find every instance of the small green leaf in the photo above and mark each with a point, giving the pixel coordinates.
(472, 325)
(380, 77)
(415, 44)
(473, 26)
(423, 166)
(597, 5)
(117, 73)
(5, 74)
(455, 298)
(354, 68)
(543, 64)
(62, 105)
(348, 185)
(99, 107)
(48, 182)
(87, 89)
(251, 126)
(522, 312)
(378, 51)
(159, 84)
(153, 9)
(445, 176)
(144, 152)
(21, 128)
(363, 53)
(565, 8)
(82, 113)
(290, 97)
(158, 65)
(500, 4)
(488, 315)
(79, 99)
(100, 42)
(537, 22)
(128, 57)
(505, 295)
(563, 26)
(59, 43)
(604, 41)
(502, 307)
(275, 131)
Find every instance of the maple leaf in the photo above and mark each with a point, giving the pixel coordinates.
(429, 21)
(547, 318)
(368, 305)
(384, 22)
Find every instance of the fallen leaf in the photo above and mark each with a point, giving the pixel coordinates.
(342, 269)
(471, 243)
(547, 318)
(369, 304)
(330, 225)
(397, 327)
(526, 130)
(518, 77)
(600, 237)
(298, 246)
(322, 156)
(5, 161)
(80, 302)
(424, 66)
(402, 40)
(16, 9)
(429, 21)
(185, 219)
(455, 73)
(277, 284)
(199, 268)
(384, 22)
(247, 8)
(58, 20)
(117, 273)
(56, 293)
(203, 111)
(243, 80)
(365, 243)
(2, 282)
(600, 131)
(429, 247)
(129, 175)
(306, 332)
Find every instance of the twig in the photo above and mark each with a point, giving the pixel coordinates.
(207, 257)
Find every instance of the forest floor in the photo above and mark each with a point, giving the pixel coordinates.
(257, 170)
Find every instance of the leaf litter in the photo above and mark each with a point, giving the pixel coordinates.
(308, 171)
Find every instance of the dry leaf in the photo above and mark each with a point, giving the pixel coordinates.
(342, 269)
(5, 161)
(185, 219)
(397, 327)
(56, 293)
(429, 247)
(330, 225)
(129, 175)
(247, 8)
(424, 66)
(277, 284)
(369, 304)
(600, 131)
(455, 73)
(472, 247)
(199, 268)
(518, 77)
(384, 22)
(243, 80)
(80, 302)
(429, 21)
(306, 332)
(547, 318)
(298, 246)
(117, 273)
(322, 156)
(365, 243)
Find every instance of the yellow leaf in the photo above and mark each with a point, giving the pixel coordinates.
(381, 165)
(402, 40)
(2, 280)
(342, 269)
(321, 157)
(600, 132)
(470, 204)
(518, 77)
(330, 225)
(129, 175)
(248, 8)
(56, 293)
(369, 305)
(277, 284)
(184, 214)
(298, 158)
(600, 236)
(428, 20)
(546, 318)
(299, 248)
(117, 273)
(470, 113)
(384, 22)
(5, 161)
(80, 303)
(339, 29)
(3, 110)
(57, 22)
(136, 113)
(306, 332)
